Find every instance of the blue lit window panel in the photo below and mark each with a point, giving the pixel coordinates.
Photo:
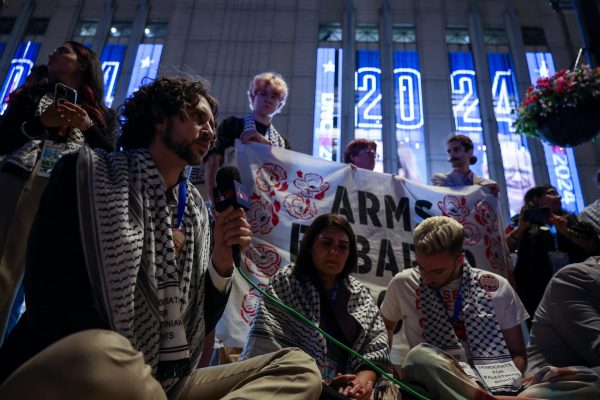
(560, 161)
(20, 66)
(112, 61)
(516, 159)
(146, 65)
(328, 94)
(367, 108)
(465, 106)
(410, 135)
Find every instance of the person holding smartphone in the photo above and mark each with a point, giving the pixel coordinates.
(546, 238)
(41, 124)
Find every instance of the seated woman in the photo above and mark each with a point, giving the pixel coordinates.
(319, 286)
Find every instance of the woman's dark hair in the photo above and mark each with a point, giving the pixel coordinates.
(536, 191)
(304, 262)
(156, 102)
(466, 142)
(91, 91)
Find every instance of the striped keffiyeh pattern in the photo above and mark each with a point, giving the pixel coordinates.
(139, 286)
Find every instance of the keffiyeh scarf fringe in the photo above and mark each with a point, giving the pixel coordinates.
(486, 342)
(272, 135)
(27, 155)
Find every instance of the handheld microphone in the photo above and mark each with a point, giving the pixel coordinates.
(230, 192)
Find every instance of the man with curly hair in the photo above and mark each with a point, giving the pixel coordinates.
(121, 282)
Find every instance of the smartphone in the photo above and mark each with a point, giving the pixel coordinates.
(539, 214)
(64, 92)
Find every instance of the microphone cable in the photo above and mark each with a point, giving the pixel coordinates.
(302, 318)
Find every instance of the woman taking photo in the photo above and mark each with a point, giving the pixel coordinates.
(35, 131)
(319, 286)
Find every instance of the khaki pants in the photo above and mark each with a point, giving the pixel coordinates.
(101, 365)
(18, 206)
(443, 378)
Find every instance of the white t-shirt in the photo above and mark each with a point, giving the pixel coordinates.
(402, 301)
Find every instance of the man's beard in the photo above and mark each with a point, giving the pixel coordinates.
(183, 150)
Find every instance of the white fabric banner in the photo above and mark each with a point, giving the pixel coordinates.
(288, 190)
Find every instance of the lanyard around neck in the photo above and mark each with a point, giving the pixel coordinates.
(181, 202)
(457, 304)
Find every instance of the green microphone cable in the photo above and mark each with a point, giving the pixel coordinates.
(299, 316)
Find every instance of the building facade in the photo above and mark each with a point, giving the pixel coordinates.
(405, 73)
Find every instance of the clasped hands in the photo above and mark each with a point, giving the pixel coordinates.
(349, 385)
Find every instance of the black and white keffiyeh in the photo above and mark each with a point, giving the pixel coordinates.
(274, 328)
(272, 135)
(485, 339)
(26, 156)
(139, 288)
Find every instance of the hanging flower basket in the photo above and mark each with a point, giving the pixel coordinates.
(571, 127)
(562, 110)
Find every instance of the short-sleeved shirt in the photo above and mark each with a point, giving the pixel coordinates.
(457, 179)
(402, 301)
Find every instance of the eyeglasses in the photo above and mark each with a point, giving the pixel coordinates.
(437, 271)
(371, 152)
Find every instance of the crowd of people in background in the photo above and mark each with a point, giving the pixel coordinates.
(125, 271)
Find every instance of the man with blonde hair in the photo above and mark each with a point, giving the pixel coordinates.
(267, 94)
(466, 313)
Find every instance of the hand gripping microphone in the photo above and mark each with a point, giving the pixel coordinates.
(230, 192)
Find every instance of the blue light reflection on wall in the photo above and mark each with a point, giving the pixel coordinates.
(410, 136)
(20, 66)
(560, 161)
(367, 107)
(465, 106)
(516, 159)
(111, 60)
(146, 65)
(328, 94)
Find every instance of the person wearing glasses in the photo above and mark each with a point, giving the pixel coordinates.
(453, 312)
(460, 153)
(124, 277)
(35, 131)
(319, 286)
(266, 96)
(361, 153)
